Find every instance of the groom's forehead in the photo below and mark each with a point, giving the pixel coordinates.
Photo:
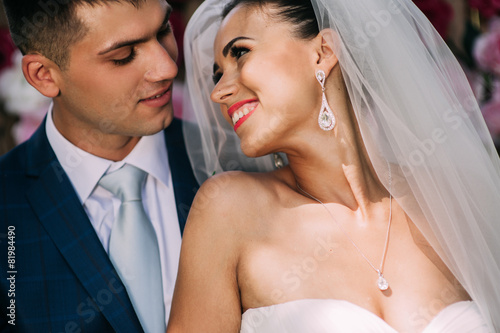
(120, 22)
(93, 13)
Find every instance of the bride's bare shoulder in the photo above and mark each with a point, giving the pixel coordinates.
(230, 210)
(230, 197)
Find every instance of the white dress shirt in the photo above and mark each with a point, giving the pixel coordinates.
(150, 154)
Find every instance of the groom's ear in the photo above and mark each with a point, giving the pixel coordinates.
(42, 74)
(326, 56)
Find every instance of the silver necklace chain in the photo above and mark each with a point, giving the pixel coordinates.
(381, 282)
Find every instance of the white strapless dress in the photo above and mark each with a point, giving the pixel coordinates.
(332, 316)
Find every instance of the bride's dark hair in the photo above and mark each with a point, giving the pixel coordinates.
(298, 12)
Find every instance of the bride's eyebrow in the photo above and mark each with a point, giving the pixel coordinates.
(226, 49)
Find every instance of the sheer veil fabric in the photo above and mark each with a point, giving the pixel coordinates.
(415, 110)
(220, 149)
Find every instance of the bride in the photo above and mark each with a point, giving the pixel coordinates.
(383, 213)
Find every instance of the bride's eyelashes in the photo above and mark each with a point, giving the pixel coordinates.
(236, 52)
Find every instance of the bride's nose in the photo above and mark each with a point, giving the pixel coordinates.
(225, 88)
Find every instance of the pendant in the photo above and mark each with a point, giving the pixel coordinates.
(326, 119)
(382, 282)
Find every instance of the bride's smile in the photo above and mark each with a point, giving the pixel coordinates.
(240, 111)
(257, 59)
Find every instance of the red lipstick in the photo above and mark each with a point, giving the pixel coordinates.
(238, 105)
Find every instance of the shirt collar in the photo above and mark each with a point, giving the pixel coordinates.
(85, 170)
(150, 155)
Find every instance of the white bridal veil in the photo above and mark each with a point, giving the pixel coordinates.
(415, 110)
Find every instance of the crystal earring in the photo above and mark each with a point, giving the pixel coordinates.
(326, 119)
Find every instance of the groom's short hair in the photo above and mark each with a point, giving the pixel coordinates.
(49, 27)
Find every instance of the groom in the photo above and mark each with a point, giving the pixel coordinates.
(108, 66)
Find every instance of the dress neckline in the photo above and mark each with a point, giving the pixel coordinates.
(428, 328)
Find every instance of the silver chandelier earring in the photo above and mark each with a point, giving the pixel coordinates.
(326, 119)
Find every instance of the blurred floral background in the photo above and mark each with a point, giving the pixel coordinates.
(470, 27)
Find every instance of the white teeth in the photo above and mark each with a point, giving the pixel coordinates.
(240, 114)
(235, 118)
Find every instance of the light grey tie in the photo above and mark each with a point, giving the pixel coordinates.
(133, 248)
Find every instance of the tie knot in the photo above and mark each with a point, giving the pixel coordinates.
(125, 183)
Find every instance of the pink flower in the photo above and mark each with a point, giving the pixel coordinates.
(491, 111)
(487, 48)
(439, 12)
(491, 114)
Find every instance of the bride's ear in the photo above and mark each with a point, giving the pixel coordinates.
(326, 57)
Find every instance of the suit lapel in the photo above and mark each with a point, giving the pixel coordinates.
(185, 185)
(60, 212)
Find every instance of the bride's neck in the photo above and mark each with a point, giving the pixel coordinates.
(336, 168)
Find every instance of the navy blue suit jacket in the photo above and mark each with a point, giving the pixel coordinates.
(62, 279)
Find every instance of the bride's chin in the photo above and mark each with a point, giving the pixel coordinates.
(253, 151)
(249, 152)
(260, 142)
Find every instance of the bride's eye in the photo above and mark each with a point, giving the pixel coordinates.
(237, 51)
